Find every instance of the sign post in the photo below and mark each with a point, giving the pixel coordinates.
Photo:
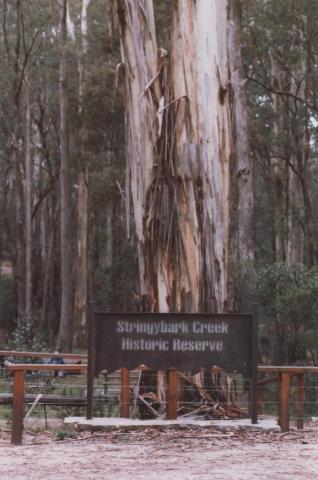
(124, 395)
(254, 366)
(90, 359)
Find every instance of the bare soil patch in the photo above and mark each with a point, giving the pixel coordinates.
(163, 454)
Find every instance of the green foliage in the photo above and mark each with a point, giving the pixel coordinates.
(26, 337)
(288, 299)
(65, 435)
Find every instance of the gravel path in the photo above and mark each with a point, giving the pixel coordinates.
(187, 454)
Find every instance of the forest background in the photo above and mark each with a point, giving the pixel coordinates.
(68, 221)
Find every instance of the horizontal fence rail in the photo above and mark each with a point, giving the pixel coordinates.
(42, 355)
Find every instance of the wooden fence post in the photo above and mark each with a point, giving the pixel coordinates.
(18, 407)
(260, 398)
(284, 394)
(90, 360)
(300, 398)
(172, 395)
(125, 393)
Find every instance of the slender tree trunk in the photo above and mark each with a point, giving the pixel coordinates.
(295, 242)
(301, 187)
(17, 159)
(297, 160)
(28, 204)
(278, 165)
(48, 269)
(309, 222)
(80, 308)
(19, 260)
(64, 341)
(109, 247)
(245, 208)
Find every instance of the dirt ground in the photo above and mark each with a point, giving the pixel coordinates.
(166, 454)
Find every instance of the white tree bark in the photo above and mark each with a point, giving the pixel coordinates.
(200, 79)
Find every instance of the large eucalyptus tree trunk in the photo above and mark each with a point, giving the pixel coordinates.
(179, 148)
(201, 155)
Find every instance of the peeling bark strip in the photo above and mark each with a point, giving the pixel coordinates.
(179, 151)
(140, 56)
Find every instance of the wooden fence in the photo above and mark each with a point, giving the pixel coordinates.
(283, 375)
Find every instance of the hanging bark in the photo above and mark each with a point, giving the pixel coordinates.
(64, 341)
(110, 17)
(245, 207)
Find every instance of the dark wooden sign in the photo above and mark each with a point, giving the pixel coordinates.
(182, 341)
(185, 342)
